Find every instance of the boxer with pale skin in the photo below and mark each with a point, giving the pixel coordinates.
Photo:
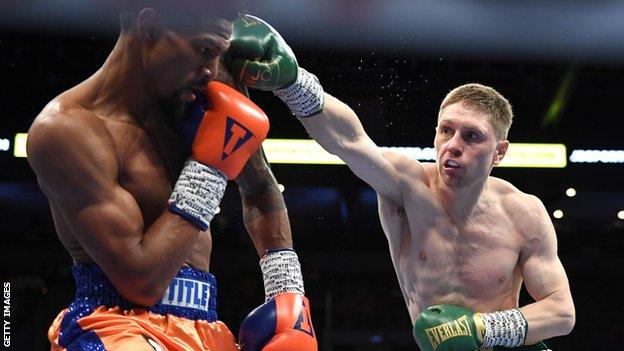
(462, 242)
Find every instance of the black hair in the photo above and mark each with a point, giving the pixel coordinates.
(180, 13)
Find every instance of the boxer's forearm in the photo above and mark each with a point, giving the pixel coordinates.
(549, 317)
(336, 128)
(339, 131)
(264, 211)
(266, 221)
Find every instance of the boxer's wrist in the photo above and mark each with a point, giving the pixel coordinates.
(305, 96)
(506, 328)
(281, 272)
(197, 193)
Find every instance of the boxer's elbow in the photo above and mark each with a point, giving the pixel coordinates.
(568, 320)
(142, 295)
(139, 290)
(344, 147)
(145, 299)
(564, 315)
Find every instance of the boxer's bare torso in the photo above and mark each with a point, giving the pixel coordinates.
(472, 262)
(147, 159)
(456, 235)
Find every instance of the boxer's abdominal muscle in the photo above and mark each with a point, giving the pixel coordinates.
(474, 265)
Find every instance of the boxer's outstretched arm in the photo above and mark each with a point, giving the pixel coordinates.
(77, 167)
(338, 129)
(553, 312)
(260, 58)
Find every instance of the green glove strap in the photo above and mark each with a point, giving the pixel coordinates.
(258, 56)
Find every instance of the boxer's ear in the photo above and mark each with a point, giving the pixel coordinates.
(501, 151)
(149, 27)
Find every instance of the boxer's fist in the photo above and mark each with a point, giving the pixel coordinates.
(448, 328)
(281, 324)
(258, 56)
(231, 130)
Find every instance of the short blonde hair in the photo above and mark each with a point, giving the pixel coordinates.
(488, 101)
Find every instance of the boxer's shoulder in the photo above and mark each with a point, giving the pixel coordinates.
(406, 166)
(66, 133)
(526, 211)
(507, 192)
(65, 117)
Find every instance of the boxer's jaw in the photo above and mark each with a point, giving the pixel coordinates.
(179, 63)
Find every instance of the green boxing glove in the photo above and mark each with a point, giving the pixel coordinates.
(260, 58)
(455, 328)
(448, 328)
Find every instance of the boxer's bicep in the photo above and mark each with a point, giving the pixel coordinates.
(338, 129)
(78, 168)
(545, 279)
(541, 268)
(367, 161)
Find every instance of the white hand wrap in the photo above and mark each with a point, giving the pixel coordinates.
(504, 328)
(197, 193)
(281, 272)
(305, 97)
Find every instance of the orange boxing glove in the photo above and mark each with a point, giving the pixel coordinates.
(231, 130)
(283, 322)
(280, 324)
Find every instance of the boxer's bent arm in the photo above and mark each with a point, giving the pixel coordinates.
(76, 165)
(545, 279)
(338, 130)
(264, 211)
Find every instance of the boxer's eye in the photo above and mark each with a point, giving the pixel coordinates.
(472, 136)
(205, 51)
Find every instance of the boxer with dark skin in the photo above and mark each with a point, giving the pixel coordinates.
(107, 154)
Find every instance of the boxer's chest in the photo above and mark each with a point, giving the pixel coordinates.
(444, 261)
(149, 166)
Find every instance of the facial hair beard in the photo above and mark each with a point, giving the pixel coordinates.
(173, 108)
(167, 131)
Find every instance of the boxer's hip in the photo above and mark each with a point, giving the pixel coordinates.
(192, 293)
(100, 316)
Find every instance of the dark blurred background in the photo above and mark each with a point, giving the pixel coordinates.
(560, 63)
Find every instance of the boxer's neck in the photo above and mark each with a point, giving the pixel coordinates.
(121, 84)
(460, 202)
